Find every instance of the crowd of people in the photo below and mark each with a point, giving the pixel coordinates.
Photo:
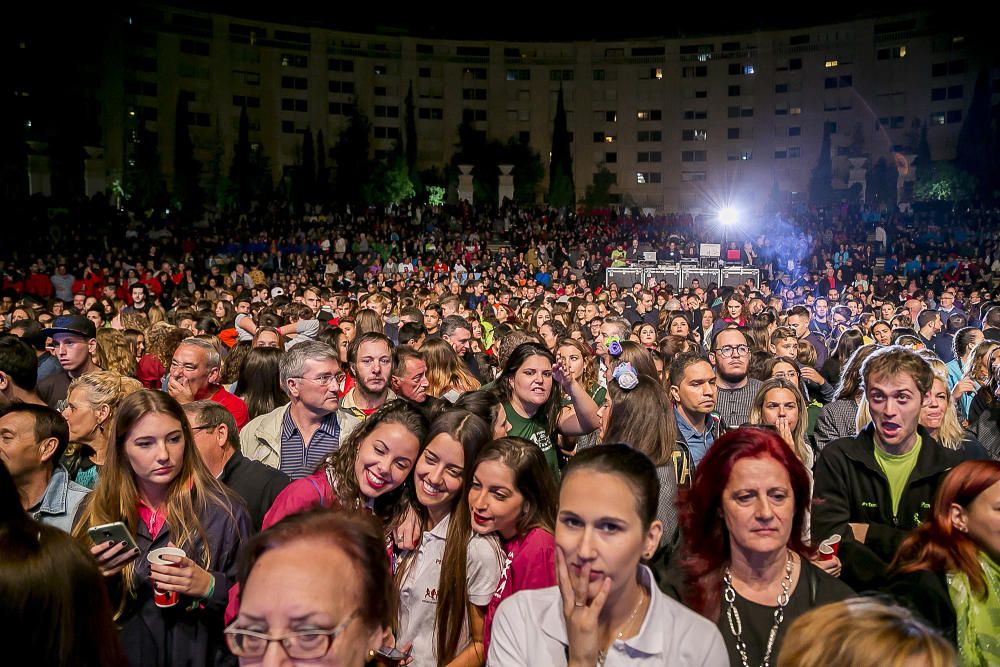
(438, 437)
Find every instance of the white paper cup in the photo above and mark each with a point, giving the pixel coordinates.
(155, 557)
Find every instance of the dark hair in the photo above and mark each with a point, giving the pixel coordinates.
(630, 464)
(48, 424)
(740, 330)
(484, 403)
(259, 384)
(18, 361)
(207, 324)
(47, 579)
(521, 353)
(681, 363)
(411, 331)
(360, 339)
(356, 535)
(927, 316)
(848, 342)
(32, 333)
(643, 418)
(533, 479)
(963, 341)
(400, 355)
(706, 539)
(210, 414)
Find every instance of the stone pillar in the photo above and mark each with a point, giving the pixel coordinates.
(94, 171)
(39, 169)
(465, 183)
(506, 189)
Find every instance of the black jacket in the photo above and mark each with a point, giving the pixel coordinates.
(850, 487)
(926, 593)
(257, 484)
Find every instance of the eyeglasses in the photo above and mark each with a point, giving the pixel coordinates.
(321, 380)
(728, 350)
(303, 645)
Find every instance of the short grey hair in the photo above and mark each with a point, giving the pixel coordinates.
(293, 362)
(210, 414)
(621, 324)
(212, 356)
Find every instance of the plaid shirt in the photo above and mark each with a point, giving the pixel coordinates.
(836, 420)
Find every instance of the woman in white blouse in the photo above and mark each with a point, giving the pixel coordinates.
(606, 609)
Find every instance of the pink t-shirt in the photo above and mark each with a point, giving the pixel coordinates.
(530, 563)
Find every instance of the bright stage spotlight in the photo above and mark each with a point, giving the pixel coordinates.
(728, 216)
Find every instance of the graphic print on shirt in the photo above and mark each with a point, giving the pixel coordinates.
(507, 560)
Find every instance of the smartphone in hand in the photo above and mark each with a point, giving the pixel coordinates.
(113, 532)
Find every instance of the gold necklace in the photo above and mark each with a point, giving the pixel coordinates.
(603, 655)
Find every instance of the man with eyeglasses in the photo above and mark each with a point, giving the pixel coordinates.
(296, 437)
(218, 442)
(194, 375)
(730, 356)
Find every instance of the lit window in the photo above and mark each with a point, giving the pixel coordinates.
(748, 69)
(609, 139)
(640, 178)
(794, 111)
(658, 73)
(902, 52)
(831, 63)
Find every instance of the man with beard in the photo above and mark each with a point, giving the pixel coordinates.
(736, 390)
(370, 360)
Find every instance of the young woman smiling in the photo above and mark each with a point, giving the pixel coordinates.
(447, 583)
(513, 497)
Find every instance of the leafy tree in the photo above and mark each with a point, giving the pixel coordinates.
(598, 194)
(944, 181)
(390, 182)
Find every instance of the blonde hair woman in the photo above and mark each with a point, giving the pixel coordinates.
(447, 375)
(114, 353)
(940, 417)
(91, 402)
(863, 632)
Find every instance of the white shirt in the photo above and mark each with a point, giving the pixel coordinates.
(419, 591)
(530, 629)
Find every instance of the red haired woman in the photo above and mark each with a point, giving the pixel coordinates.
(744, 560)
(948, 571)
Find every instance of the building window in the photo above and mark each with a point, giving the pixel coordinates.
(383, 111)
(954, 116)
(288, 127)
(690, 176)
(794, 152)
(831, 63)
(780, 155)
(194, 48)
(386, 132)
(694, 71)
(694, 114)
(650, 135)
(830, 82)
(250, 102)
(294, 82)
(653, 114)
(288, 104)
(739, 156)
(424, 72)
(519, 75)
(646, 177)
(794, 131)
(694, 135)
(560, 75)
(937, 118)
(694, 156)
(733, 133)
(781, 88)
(794, 111)
(342, 87)
(476, 73)
(524, 137)
(734, 91)
(649, 156)
(611, 116)
(955, 92)
(599, 75)
(430, 113)
(294, 60)
(611, 158)
(891, 53)
(380, 70)
(473, 115)
(338, 65)
(341, 108)
(474, 94)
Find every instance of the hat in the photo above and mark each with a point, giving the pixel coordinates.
(277, 291)
(562, 299)
(72, 324)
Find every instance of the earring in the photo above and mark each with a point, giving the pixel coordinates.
(371, 654)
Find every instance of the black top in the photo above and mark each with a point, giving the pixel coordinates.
(813, 589)
(925, 593)
(257, 484)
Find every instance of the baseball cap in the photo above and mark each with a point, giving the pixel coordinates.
(277, 291)
(72, 324)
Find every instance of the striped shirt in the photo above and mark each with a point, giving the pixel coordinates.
(838, 419)
(733, 405)
(299, 460)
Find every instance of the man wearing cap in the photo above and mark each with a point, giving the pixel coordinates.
(31, 333)
(74, 339)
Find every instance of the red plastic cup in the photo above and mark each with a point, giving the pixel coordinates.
(829, 547)
(156, 557)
